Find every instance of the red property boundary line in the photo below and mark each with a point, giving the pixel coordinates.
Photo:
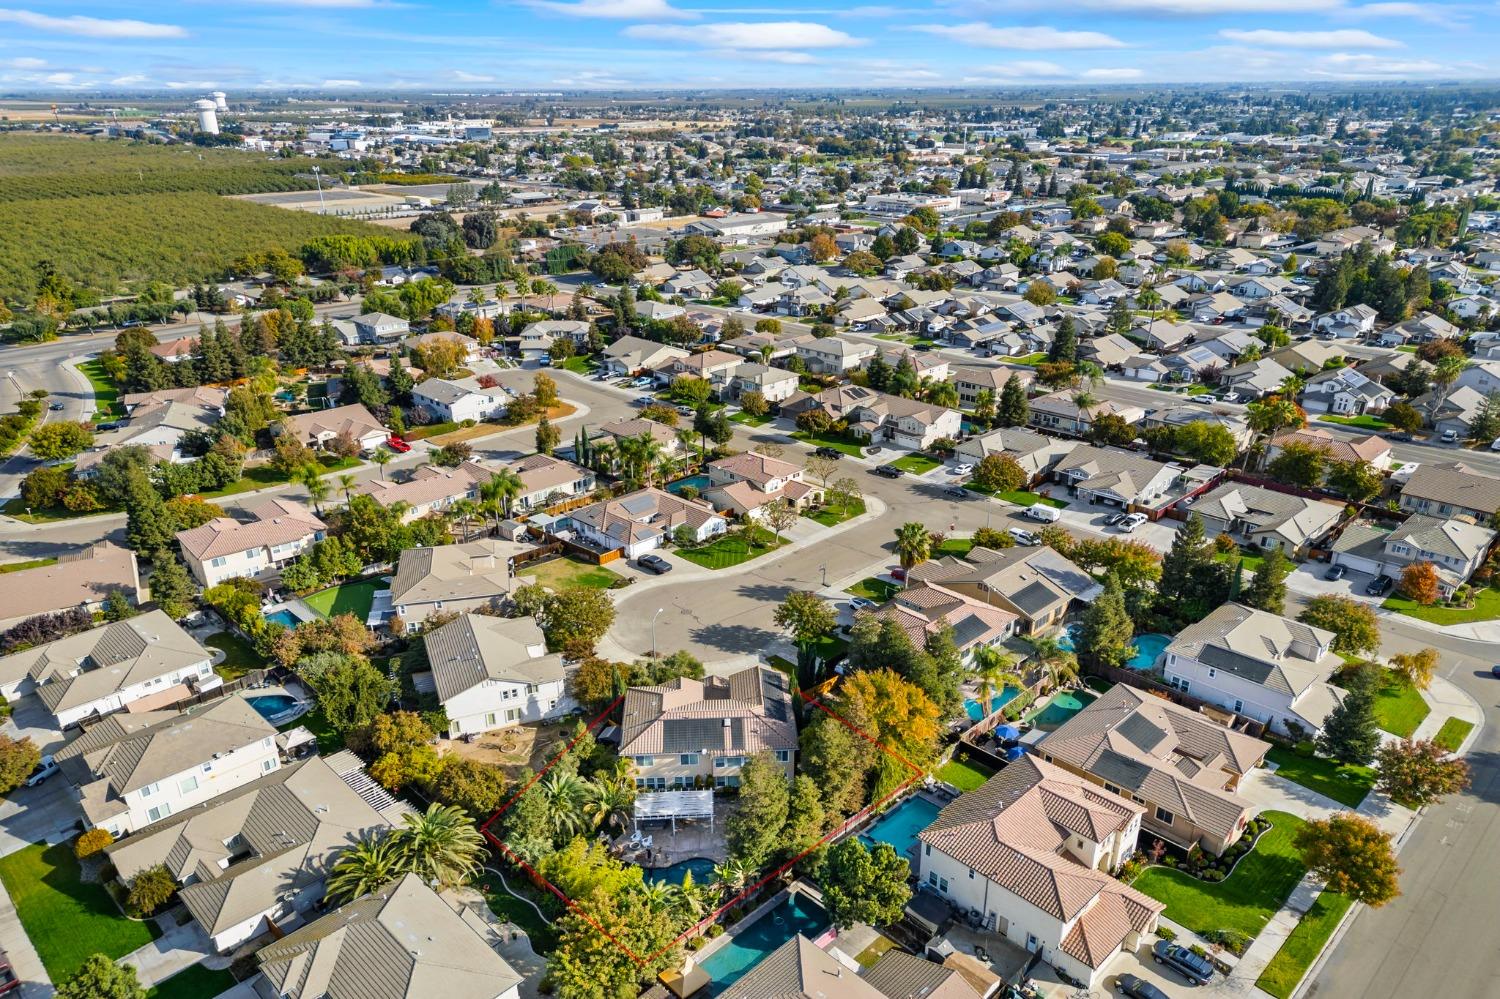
(855, 819)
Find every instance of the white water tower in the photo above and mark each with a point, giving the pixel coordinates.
(208, 118)
(220, 104)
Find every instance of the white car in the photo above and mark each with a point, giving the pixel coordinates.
(1495, 444)
(1024, 537)
(46, 768)
(967, 469)
(1131, 522)
(857, 604)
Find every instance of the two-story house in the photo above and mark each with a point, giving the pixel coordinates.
(909, 423)
(1181, 766)
(774, 384)
(640, 522)
(546, 480)
(461, 399)
(746, 482)
(833, 355)
(450, 578)
(1455, 548)
(225, 548)
(493, 672)
(716, 367)
(1260, 665)
(1030, 851)
(430, 489)
(1257, 517)
(1345, 392)
(1037, 585)
(699, 733)
(926, 608)
(1060, 413)
(136, 768)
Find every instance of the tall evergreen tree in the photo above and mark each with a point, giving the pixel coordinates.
(1107, 628)
(1065, 342)
(1350, 734)
(1192, 582)
(1013, 409)
(1267, 589)
(148, 526)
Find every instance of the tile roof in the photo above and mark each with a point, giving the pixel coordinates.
(278, 522)
(78, 578)
(740, 714)
(474, 571)
(643, 514)
(1337, 448)
(799, 970)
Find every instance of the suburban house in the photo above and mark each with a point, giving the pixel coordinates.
(662, 434)
(1181, 416)
(491, 672)
(1036, 453)
(631, 354)
(716, 367)
(1263, 666)
(924, 608)
(745, 483)
(1455, 548)
(225, 548)
(774, 384)
(1182, 766)
(1059, 413)
(450, 578)
(1257, 517)
(899, 975)
(146, 661)
(403, 940)
(1254, 379)
(798, 968)
(430, 488)
(640, 522)
(903, 422)
(133, 769)
(546, 480)
(1454, 490)
(970, 382)
(1340, 450)
(1451, 411)
(1114, 477)
(1030, 851)
(157, 420)
(82, 579)
(1037, 585)
(320, 428)
(257, 857)
(688, 733)
(1345, 392)
(460, 400)
(377, 327)
(833, 355)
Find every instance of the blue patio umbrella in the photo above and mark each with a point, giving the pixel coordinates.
(1014, 753)
(1007, 732)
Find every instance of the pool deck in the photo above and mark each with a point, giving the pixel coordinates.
(756, 914)
(693, 839)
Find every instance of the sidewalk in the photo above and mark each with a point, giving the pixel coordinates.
(1477, 631)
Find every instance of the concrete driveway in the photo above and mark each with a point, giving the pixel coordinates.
(35, 814)
(1091, 517)
(1310, 579)
(1140, 964)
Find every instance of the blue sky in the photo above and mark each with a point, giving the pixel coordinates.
(467, 45)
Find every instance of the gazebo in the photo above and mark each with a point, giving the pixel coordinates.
(674, 805)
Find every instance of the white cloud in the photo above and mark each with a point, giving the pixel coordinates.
(131, 80)
(90, 27)
(342, 83)
(192, 84)
(1028, 38)
(1025, 69)
(460, 76)
(621, 10)
(1113, 73)
(1189, 8)
(1341, 38)
(24, 62)
(1353, 66)
(783, 35)
(1431, 13)
(782, 56)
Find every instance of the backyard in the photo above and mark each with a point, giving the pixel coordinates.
(1347, 785)
(67, 919)
(350, 598)
(964, 775)
(1247, 899)
(239, 655)
(731, 549)
(329, 740)
(1486, 608)
(1303, 946)
(564, 572)
(195, 982)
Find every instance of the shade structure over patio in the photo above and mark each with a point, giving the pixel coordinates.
(674, 805)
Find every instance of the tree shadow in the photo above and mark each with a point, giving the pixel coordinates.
(732, 637)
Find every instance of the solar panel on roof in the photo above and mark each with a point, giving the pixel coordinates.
(737, 733)
(1033, 598)
(968, 630)
(1140, 732)
(1120, 770)
(690, 735)
(1240, 665)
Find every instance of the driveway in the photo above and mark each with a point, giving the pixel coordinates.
(1309, 579)
(1267, 791)
(1091, 517)
(36, 814)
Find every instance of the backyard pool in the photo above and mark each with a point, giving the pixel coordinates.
(702, 868)
(797, 914)
(899, 826)
(273, 708)
(1060, 708)
(975, 707)
(285, 618)
(1067, 641)
(698, 482)
(1147, 648)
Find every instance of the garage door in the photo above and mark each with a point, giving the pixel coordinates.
(1357, 563)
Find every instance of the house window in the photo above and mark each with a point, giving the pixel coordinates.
(149, 790)
(513, 715)
(1111, 789)
(1239, 706)
(971, 874)
(927, 849)
(219, 562)
(645, 761)
(932, 878)
(783, 756)
(159, 812)
(489, 719)
(268, 765)
(1212, 672)
(688, 759)
(187, 785)
(1165, 817)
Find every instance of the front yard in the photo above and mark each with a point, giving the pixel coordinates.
(1020, 497)
(874, 589)
(749, 420)
(67, 919)
(1347, 785)
(825, 440)
(563, 572)
(1486, 608)
(1399, 707)
(195, 982)
(830, 516)
(106, 392)
(1453, 733)
(1303, 946)
(1364, 421)
(731, 549)
(1247, 899)
(916, 464)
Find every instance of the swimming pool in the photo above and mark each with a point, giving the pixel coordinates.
(975, 707)
(899, 826)
(1147, 648)
(698, 482)
(273, 707)
(1060, 708)
(797, 914)
(285, 618)
(1067, 641)
(702, 868)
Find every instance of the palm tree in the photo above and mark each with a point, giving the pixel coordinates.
(1061, 664)
(382, 458)
(1150, 300)
(365, 867)
(346, 483)
(730, 878)
(610, 799)
(441, 846)
(995, 671)
(658, 895)
(499, 491)
(477, 296)
(541, 287)
(564, 795)
(465, 511)
(639, 458)
(913, 544)
(317, 487)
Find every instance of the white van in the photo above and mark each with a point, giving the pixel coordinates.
(1046, 514)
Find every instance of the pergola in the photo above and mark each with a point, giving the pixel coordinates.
(674, 805)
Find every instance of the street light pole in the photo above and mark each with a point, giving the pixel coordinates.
(653, 630)
(318, 179)
(824, 570)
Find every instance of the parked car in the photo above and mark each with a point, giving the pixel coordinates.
(1131, 522)
(964, 469)
(643, 400)
(1183, 961)
(1024, 537)
(957, 492)
(1450, 436)
(1380, 586)
(653, 563)
(44, 769)
(1337, 572)
(888, 471)
(862, 604)
(1495, 670)
(1400, 435)
(9, 982)
(1139, 988)
(1114, 519)
(56, 407)
(396, 444)
(1232, 397)
(831, 453)
(686, 411)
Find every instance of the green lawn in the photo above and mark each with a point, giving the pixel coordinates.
(964, 776)
(579, 364)
(723, 552)
(1248, 898)
(1345, 784)
(874, 589)
(106, 392)
(66, 919)
(350, 598)
(916, 464)
(35, 563)
(561, 572)
(1250, 562)
(507, 906)
(1364, 421)
(837, 443)
(196, 982)
(1486, 608)
(751, 421)
(1399, 707)
(1453, 733)
(1303, 946)
(828, 516)
(957, 547)
(1030, 360)
(1021, 497)
(240, 656)
(329, 741)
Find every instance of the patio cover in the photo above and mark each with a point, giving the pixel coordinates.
(674, 805)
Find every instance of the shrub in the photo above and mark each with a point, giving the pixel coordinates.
(91, 843)
(1306, 748)
(716, 930)
(151, 889)
(1199, 949)
(1166, 933)
(697, 943)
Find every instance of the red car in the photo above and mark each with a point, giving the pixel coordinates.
(397, 444)
(8, 980)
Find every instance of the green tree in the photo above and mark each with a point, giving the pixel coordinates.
(1013, 410)
(1301, 465)
(547, 436)
(864, 886)
(18, 758)
(59, 441)
(1267, 589)
(1107, 629)
(838, 761)
(365, 867)
(1351, 856)
(805, 817)
(150, 889)
(171, 587)
(1350, 733)
(1355, 628)
(913, 544)
(1192, 583)
(1416, 773)
(101, 978)
(148, 526)
(754, 829)
(1000, 473)
(576, 617)
(440, 845)
(351, 692)
(809, 618)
